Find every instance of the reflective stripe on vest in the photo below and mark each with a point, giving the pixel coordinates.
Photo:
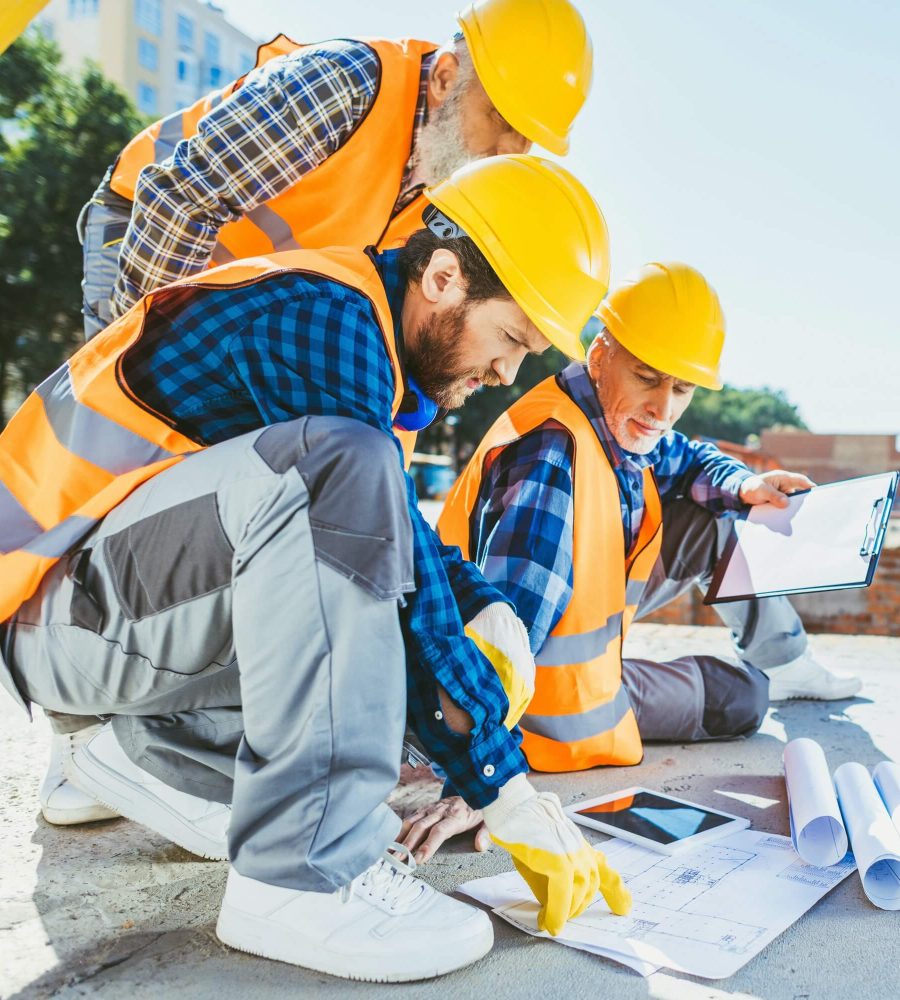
(83, 440)
(347, 200)
(580, 715)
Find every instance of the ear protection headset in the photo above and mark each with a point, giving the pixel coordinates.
(416, 411)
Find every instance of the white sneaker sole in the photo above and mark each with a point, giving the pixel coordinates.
(136, 803)
(94, 813)
(850, 690)
(263, 937)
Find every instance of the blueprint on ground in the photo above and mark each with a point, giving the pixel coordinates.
(706, 912)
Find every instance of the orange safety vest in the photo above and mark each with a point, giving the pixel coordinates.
(83, 440)
(348, 199)
(580, 715)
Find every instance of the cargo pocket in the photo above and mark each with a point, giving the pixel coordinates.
(168, 558)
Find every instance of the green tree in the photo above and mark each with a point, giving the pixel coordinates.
(60, 133)
(737, 414)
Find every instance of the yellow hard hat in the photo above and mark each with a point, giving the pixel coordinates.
(542, 233)
(535, 61)
(669, 316)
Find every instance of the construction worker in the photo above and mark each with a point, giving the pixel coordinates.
(329, 144)
(208, 536)
(586, 509)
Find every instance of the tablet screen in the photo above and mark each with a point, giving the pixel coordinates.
(655, 817)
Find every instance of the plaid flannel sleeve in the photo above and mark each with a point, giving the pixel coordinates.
(439, 653)
(711, 478)
(523, 528)
(340, 367)
(287, 117)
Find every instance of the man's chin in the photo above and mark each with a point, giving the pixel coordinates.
(637, 444)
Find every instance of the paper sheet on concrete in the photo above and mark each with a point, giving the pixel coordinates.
(706, 912)
(873, 836)
(825, 539)
(817, 831)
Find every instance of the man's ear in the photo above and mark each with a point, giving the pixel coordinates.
(442, 280)
(595, 353)
(441, 79)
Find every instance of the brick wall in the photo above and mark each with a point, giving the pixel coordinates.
(871, 610)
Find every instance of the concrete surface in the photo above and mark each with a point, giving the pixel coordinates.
(113, 911)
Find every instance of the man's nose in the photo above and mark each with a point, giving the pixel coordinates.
(506, 369)
(513, 142)
(660, 403)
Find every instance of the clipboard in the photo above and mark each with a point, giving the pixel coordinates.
(827, 538)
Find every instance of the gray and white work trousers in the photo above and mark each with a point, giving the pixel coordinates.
(101, 228)
(237, 616)
(704, 697)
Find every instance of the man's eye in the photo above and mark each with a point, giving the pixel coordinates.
(510, 337)
(682, 390)
(647, 379)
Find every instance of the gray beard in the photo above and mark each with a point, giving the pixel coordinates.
(440, 149)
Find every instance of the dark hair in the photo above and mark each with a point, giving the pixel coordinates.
(480, 278)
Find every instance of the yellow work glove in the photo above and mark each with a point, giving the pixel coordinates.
(562, 869)
(502, 638)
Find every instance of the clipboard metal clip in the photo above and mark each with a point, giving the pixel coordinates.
(871, 535)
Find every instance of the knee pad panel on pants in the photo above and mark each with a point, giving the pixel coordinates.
(358, 512)
(737, 706)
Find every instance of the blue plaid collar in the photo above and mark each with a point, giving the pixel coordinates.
(575, 381)
(387, 264)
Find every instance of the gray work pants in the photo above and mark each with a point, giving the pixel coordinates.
(237, 616)
(101, 228)
(704, 697)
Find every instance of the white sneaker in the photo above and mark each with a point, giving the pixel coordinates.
(384, 927)
(805, 677)
(102, 769)
(61, 802)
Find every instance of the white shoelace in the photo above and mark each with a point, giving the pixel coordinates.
(388, 880)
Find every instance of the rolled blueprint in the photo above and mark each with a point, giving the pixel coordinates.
(873, 836)
(817, 830)
(887, 780)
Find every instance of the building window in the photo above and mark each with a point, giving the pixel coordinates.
(83, 8)
(148, 14)
(185, 33)
(146, 99)
(148, 54)
(184, 71)
(212, 56)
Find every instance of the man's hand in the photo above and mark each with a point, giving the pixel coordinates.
(427, 828)
(550, 853)
(773, 487)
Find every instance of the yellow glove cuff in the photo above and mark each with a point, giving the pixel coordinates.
(517, 691)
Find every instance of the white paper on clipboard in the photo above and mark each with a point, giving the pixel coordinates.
(827, 538)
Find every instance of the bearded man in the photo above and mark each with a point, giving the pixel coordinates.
(329, 144)
(206, 533)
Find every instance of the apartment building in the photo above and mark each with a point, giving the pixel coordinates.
(164, 53)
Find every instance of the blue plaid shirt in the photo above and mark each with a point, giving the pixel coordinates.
(285, 119)
(225, 361)
(522, 525)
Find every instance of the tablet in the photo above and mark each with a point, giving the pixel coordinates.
(655, 820)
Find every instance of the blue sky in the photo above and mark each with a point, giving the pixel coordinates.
(757, 140)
